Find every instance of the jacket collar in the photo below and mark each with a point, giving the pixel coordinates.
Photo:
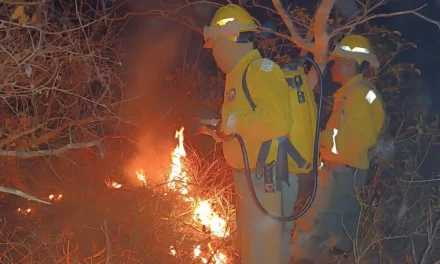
(241, 65)
(341, 91)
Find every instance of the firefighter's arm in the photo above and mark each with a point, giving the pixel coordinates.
(270, 93)
(361, 133)
(326, 142)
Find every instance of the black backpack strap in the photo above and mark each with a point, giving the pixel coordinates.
(285, 148)
(289, 149)
(262, 157)
(245, 87)
(282, 171)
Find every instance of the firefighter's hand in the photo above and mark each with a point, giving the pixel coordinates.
(215, 136)
(214, 133)
(221, 136)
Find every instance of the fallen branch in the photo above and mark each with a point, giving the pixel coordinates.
(39, 153)
(22, 194)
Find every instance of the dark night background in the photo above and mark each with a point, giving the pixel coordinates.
(426, 34)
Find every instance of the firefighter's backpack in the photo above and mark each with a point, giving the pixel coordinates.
(298, 144)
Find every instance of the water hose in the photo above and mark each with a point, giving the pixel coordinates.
(315, 158)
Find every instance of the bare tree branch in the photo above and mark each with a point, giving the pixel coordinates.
(20, 2)
(39, 153)
(295, 37)
(437, 23)
(22, 194)
(50, 135)
(322, 39)
(420, 181)
(321, 36)
(363, 19)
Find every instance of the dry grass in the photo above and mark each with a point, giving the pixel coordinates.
(210, 183)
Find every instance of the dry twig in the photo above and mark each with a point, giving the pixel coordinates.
(107, 242)
(22, 194)
(39, 153)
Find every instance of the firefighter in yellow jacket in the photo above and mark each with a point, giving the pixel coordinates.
(231, 36)
(353, 128)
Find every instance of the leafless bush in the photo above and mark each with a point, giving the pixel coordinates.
(60, 76)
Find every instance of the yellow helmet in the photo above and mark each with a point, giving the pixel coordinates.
(230, 21)
(356, 47)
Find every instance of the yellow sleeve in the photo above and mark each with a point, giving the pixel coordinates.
(272, 116)
(359, 133)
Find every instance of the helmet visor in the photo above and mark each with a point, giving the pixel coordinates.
(357, 53)
(230, 29)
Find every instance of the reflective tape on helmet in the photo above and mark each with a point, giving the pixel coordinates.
(355, 49)
(222, 22)
(228, 27)
(334, 148)
(371, 96)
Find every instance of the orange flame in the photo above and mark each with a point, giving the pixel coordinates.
(112, 184)
(173, 251)
(207, 217)
(217, 258)
(55, 197)
(141, 177)
(203, 213)
(24, 211)
(177, 173)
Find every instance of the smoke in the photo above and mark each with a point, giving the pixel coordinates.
(385, 148)
(153, 159)
(152, 51)
(152, 48)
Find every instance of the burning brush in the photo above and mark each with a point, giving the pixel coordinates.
(203, 215)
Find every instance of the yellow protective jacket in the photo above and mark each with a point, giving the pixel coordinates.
(356, 121)
(271, 118)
